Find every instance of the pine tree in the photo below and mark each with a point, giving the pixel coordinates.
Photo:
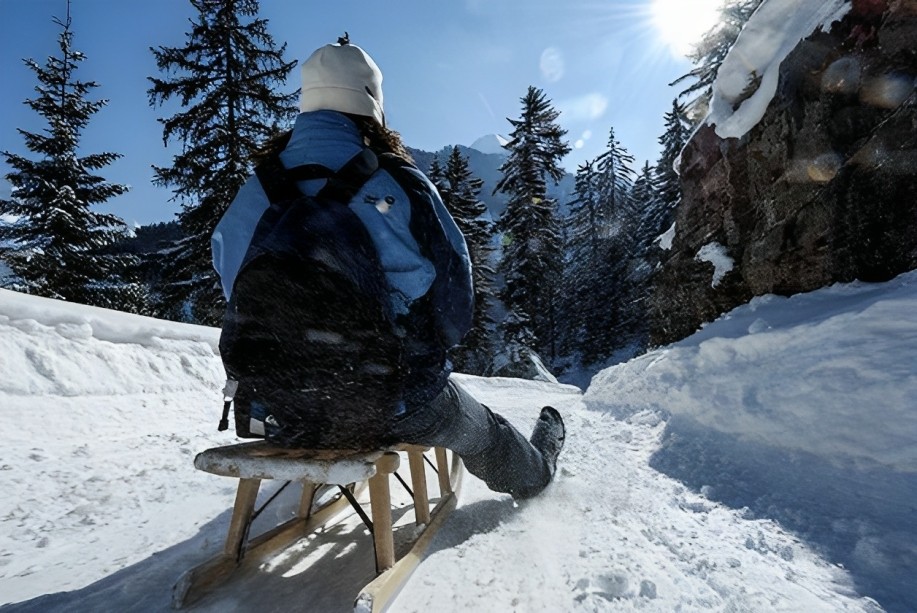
(460, 192)
(709, 53)
(584, 223)
(532, 238)
(57, 246)
(224, 78)
(666, 182)
(614, 180)
(603, 223)
(649, 212)
(437, 176)
(677, 131)
(637, 282)
(583, 239)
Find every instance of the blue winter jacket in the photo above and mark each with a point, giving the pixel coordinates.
(331, 139)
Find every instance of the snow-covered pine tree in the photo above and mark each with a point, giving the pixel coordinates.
(56, 245)
(709, 52)
(634, 318)
(583, 239)
(460, 194)
(224, 78)
(668, 193)
(532, 252)
(645, 258)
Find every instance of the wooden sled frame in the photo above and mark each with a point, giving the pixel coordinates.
(378, 594)
(253, 462)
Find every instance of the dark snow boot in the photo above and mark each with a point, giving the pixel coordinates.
(548, 436)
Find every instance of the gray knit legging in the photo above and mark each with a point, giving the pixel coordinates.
(490, 447)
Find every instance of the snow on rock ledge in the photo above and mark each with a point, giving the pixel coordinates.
(769, 36)
(714, 253)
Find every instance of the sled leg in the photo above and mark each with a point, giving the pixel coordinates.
(380, 499)
(241, 520)
(197, 581)
(442, 468)
(305, 502)
(419, 484)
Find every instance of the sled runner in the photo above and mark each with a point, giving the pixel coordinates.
(353, 473)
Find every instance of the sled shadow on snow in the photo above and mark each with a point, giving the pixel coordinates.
(323, 573)
(862, 518)
(144, 586)
(315, 574)
(468, 520)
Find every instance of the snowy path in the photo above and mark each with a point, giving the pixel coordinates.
(612, 534)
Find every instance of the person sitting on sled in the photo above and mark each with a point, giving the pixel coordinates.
(427, 272)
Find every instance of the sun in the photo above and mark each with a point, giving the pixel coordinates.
(682, 23)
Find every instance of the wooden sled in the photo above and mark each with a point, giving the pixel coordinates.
(353, 471)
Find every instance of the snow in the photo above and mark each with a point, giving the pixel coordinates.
(716, 254)
(766, 463)
(491, 143)
(665, 239)
(767, 38)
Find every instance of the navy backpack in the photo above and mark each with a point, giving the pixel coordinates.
(308, 335)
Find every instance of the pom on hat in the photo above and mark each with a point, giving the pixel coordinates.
(342, 77)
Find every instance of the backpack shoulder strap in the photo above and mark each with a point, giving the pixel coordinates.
(343, 185)
(279, 182)
(275, 180)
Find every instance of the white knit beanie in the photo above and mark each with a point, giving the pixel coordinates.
(342, 78)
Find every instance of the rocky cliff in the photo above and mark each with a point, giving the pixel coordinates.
(822, 189)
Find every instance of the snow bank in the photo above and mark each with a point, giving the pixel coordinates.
(53, 347)
(102, 414)
(833, 373)
(104, 324)
(770, 35)
(802, 409)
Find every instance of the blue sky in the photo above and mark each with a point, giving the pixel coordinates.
(453, 71)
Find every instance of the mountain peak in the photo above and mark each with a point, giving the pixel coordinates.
(491, 143)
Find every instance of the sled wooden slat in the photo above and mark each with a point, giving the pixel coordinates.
(254, 462)
(380, 501)
(260, 460)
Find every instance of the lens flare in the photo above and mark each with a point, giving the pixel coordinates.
(681, 24)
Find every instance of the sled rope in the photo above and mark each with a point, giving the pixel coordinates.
(358, 508)
(240, 553)
(404, 483)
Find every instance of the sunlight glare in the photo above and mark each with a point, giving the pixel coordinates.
(681, 24)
